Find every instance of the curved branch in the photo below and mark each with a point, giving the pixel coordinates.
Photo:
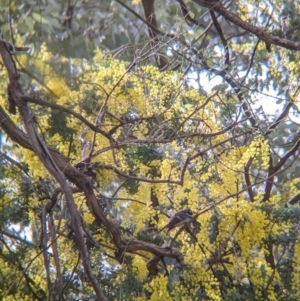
(67, 110)
(273, 170)
(257, 31)
(283, 160)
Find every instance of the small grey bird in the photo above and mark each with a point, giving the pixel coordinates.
(178, 219)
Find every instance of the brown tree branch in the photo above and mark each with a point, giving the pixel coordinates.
(69, 111)
(58, 284)
(12, 235)
(43, 244)
(148, 6)
(290, 153)
(247, 178)
(220, 32)
(294, 199)
(257, 31)
(251, 60)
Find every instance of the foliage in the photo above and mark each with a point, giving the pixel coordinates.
(129, 112)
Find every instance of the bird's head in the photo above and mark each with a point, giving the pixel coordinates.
(187, 211)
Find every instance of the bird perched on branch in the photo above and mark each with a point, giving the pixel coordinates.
(180, 218)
